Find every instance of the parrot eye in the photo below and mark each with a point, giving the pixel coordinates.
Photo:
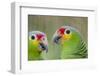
(67, 31)
(32, 37)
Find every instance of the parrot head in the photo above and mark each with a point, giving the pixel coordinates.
(66, 34)
(38, 40)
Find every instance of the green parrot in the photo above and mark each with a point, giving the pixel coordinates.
(71, 43)
(37, 44)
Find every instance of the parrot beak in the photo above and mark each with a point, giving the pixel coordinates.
(56, 39)
(43, 47)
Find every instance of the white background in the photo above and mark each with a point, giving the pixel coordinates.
(5, 33)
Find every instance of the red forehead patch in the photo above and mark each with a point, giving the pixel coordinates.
(39, 36)
(61, 31)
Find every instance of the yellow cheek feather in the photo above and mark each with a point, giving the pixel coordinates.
(35, 42)
(66, 36)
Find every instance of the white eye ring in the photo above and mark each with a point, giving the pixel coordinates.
(67, 31)
(33, 37)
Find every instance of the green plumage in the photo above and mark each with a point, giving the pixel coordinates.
(71, 43)
(33, 52)
(74, 50)
(75, 47)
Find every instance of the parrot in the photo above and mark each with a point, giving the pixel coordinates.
(37, 43)
(71, 43)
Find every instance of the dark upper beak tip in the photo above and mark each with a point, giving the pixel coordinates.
(46, 49)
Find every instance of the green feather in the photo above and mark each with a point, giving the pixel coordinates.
(33, 52)
(75, 47)
(82, 50)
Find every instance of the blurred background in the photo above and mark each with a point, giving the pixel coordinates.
(49, 24)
